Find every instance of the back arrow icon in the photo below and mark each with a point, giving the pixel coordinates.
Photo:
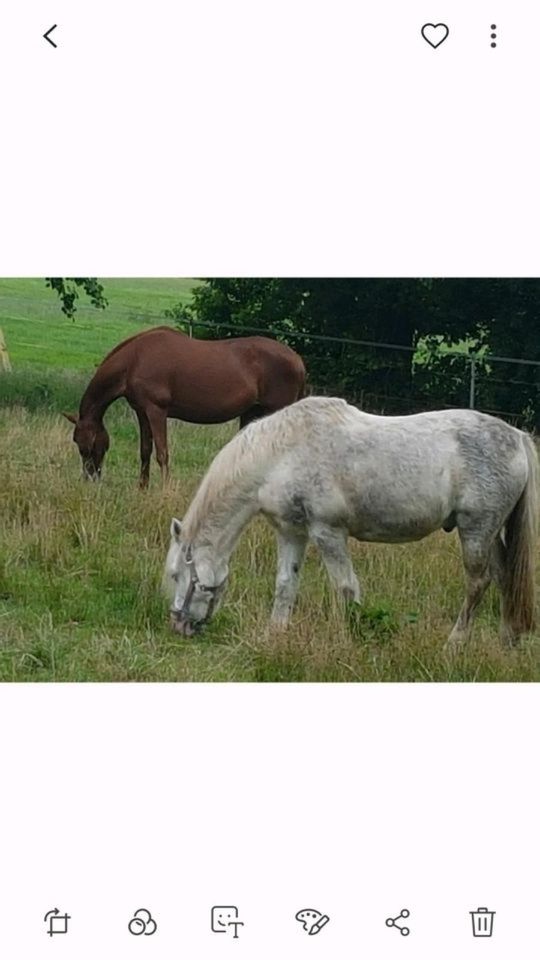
(47, 37)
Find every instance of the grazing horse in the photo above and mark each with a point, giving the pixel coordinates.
(164, 373)
(322, 470)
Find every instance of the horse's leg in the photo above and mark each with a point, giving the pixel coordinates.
(146, 447)
(158, 424)
(508, 632)
(291, 548)
(331, 543)
(476, 549)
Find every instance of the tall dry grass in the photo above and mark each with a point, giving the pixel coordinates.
(80, 569)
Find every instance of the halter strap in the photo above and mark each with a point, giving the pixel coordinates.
(193, 581)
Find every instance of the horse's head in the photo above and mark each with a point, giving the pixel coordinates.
(195, 582)
(92, 440)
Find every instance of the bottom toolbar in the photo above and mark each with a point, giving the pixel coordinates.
(229, 921)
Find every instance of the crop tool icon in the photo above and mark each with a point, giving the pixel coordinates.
(57, 922)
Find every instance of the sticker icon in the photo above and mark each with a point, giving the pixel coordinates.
(225, 920)
(142, 923)
(312, 920)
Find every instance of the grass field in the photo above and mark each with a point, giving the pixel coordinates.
(81, 564)
(39, 335)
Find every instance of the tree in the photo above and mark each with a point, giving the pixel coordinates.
(454, 318)
(504, 315)
(68, 292)
(317, 317)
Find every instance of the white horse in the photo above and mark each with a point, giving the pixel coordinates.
(321, 470)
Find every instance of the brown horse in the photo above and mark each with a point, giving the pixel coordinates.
(164, 373)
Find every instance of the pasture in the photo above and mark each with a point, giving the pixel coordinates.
(81, 563)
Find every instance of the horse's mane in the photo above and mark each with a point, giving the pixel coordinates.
(103, 387)
(246, 457)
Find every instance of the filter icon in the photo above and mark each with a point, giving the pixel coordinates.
(482, 922)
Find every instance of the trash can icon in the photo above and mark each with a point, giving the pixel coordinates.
(482, 922)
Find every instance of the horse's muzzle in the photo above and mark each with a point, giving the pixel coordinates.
(183, 626)
(92, 474)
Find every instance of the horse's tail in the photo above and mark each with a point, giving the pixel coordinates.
(303, 389)
(519, 551)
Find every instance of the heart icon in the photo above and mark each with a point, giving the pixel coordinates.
(435, 33)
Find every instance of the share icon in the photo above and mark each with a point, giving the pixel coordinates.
(393, 922)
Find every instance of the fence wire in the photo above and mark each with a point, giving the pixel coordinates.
(452, 378)
(379, 376)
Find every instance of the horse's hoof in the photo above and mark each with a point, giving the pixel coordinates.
(454, 645)
(509, 641)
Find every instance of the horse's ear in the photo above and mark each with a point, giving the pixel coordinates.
(72, 417)
(176, 529)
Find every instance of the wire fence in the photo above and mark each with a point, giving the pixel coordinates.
(448, 378)
(379, 376)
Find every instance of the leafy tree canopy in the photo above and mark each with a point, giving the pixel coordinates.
(69, 291)
(500, 315)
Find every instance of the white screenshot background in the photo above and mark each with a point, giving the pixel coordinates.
(292, 138)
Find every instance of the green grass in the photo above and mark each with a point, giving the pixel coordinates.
(81, 564)
(38, 334)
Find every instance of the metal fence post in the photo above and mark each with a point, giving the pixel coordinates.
(472, 385)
